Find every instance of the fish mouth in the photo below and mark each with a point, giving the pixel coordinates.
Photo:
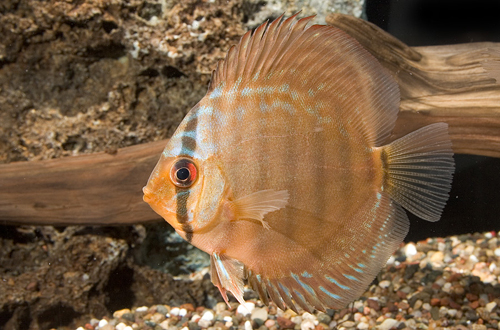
(148, 196)
(155, 203)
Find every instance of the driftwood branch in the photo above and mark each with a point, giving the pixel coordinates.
(438, 84)
(97, 189)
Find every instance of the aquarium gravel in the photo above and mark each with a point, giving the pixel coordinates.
(438, 283)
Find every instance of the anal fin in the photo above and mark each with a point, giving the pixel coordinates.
(227, 274)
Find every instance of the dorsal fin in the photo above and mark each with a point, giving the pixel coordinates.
(320, 60)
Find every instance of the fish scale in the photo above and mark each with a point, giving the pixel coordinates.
(293, 187)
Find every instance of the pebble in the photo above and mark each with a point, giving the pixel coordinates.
(436, 283)
(102, 323)
(175, 311)
(269, 323)
(245, 309)
(362, 325)
(388, 324)
(491, 306)
(259, 313)
(220, 307)
(347, 324)
(307, 325)
(248, 325)
(285, 323)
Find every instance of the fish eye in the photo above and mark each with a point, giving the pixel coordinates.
(183, 173)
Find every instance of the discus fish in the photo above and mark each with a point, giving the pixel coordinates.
(281, 175)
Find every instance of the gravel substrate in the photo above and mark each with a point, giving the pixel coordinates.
(447, 283)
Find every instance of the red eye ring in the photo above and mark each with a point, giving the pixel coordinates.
(183, 173)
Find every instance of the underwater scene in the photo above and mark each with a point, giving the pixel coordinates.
(249, 164)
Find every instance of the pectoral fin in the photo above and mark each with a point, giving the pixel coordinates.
(256, 205)
(227, 274)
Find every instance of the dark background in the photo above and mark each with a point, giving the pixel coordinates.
(474, 204)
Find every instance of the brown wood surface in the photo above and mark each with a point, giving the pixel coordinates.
(438, 84)
(97, 189)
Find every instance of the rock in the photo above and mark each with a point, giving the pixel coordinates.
(119, 314)
(373, 304)
(437, 257)
(194, 326)
(175, 311)
(164, 324)
(161, 309)
(208, 316)
(384, 284)
(220, 307)
(478, 327)
(388, 324)
(307, 324)
(410, 250)
(248, 325)
(324, 318)
(403, 305)
(129, 317)
(347, 324)
(285, 323)
(204, 323)
(157, 317)
(269, 323)
(206, 320)
(259, 313)
(245, 309)
(120, 326)
(491, 306)
(188, 307)
(435, 313)
(102, 323)
(362, 326)
(183, 312)
(435, 301)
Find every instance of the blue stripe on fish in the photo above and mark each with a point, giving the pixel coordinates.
(356, 269)
(284, 88)
(246, 91)
(334, 296)
(306, 274)
(284, 288)
(350, 277)
(221, 265)
(334, 281)
(302, 284)
(300, 296)
(217, 92)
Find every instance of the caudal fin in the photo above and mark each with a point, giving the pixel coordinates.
(419, 169)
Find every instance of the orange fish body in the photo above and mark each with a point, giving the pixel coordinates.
(281, 175)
